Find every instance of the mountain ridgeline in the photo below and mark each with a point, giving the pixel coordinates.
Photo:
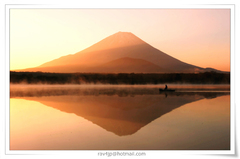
(122, 52)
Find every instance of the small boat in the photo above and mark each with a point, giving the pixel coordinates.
(166, 90)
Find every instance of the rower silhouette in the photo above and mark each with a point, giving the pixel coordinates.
(165, 87)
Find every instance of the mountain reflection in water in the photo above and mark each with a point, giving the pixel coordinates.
(121, 111)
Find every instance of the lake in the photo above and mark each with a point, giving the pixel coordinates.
(125, 117)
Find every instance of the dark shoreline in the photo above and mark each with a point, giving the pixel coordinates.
(119, 78)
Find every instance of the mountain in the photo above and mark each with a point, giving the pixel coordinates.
(119, 115)
(129, 65)
(121, 52)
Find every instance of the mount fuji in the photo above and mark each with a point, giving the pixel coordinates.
(122, 52)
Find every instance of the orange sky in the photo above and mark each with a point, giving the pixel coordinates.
(196, 36)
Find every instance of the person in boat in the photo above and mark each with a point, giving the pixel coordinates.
(165, 87)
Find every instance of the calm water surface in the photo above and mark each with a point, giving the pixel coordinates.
(195, 117)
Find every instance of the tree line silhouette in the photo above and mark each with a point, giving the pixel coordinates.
(120, 78)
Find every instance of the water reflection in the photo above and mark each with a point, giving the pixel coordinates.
(107, 118)
(120, 111)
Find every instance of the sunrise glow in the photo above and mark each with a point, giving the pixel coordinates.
(196, 36)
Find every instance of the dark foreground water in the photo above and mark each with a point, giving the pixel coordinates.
(97, 117)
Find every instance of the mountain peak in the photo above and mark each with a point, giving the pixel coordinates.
(123, 39)
(117, 40)
(122, 32)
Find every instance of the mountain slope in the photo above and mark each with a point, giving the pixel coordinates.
(122, 65)
(129, 65)
(117, 46)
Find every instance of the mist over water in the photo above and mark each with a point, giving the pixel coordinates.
(21, 90)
